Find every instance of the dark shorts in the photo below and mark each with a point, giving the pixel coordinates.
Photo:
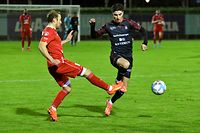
(124, 72)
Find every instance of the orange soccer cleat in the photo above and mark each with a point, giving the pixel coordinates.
(115, 87)
(123, 89)
(108, 108)
(53, 114)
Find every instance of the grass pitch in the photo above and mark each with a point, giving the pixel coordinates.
(27, 90)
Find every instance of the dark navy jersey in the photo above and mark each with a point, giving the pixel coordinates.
(74, 23)
(120, 35)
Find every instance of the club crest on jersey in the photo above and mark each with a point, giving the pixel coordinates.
(45, 33)
(112, 28)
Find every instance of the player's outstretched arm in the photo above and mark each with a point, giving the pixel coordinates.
(92, 23)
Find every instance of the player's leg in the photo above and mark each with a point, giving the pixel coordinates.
(99, 82)
(57, 101)
(29, 39)
(29, 34)
(63, 82)
(22, 38)
(73, 69)
(160, 37)
(124, 72)
(74, 38)
(154, 38)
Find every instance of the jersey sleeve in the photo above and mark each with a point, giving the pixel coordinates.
(20, 18)
(134, 25)
(47, 37)
(139, 28)
(97, 33)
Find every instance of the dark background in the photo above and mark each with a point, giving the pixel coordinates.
(101, 3)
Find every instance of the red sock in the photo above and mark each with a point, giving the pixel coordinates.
(22, 42)
(29, 42)
(97, 81)
(59, 98)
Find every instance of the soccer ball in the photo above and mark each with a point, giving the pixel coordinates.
(147, 1)
(158, 87)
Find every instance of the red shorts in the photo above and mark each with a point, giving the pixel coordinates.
(158, 29)
(64, 70)
(26, 32)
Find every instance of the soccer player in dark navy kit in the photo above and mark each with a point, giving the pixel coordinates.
(120, 31)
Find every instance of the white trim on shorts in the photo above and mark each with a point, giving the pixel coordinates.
(83, 71)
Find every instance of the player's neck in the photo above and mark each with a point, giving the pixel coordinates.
(51, 25)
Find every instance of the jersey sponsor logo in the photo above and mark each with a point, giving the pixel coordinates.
(112, 27)
(45, 33)
(122, 43)
(122, 39)
(26, 21)
(120, 35)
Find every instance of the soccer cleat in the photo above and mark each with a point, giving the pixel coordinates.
(29, 49)
(53, 114)
(108, 108)
(115, 88)
(123, 89)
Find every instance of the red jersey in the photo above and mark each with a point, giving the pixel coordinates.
(158, 17)
(54, 46)
(25, 20)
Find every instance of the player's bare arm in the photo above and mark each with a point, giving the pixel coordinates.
(69, 37)
(45, 53)
(154, 22)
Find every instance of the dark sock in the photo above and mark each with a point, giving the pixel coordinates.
(117, 95)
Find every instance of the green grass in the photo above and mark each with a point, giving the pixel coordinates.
(27, 90)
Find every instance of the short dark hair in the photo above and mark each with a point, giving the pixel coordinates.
(51, 15)
(117, 7)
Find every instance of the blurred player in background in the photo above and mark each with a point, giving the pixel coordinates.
(26, 31)
(68, 26)
(158, 29)
(74, 24)
(120, 31)
(62, 69)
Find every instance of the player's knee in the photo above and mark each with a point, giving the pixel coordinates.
(85, 72)
(67, 86)
(126, 65)
(67, 89)
(123, 63)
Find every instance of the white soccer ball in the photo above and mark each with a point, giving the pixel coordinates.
(158, 87)
(147, 1)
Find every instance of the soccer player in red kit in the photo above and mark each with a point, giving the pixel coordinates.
(158, 29)
(26, 31)
(62, 69)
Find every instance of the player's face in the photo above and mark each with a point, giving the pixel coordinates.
(118, 16)
(58, 21)
(157, 11)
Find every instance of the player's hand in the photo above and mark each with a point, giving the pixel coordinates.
(55, 62)
(70, 35)
(92, 21)
(143, 47)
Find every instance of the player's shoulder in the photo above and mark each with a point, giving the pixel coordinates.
(47, 31)
(130, 21)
